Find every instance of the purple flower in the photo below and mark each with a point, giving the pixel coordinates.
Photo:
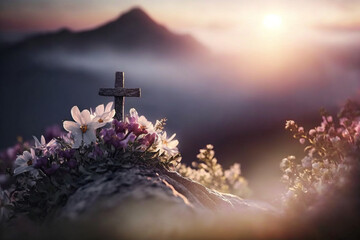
(148, 140)
(116, 139)
(133, 126)
(97, 151)
(123, 143)
(67, 154)
(120, 127)
(130, 138)
(119, 144)
(53, 132)
(51, 170)
(41, 162)
(136, 129)
(132, 118)
(107, 134)
(51, 150)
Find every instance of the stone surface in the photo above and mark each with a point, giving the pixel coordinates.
(140, 185)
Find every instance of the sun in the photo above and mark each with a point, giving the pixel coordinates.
(272, 21)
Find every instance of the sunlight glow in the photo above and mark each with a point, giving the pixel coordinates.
(272, 21)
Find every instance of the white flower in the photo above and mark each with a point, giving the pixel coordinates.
(134, 114)
(25, 162)
(83, 129)
(316, 166)
(285, 178)
(103, 114)
(233, 173)
(42, 143)
(285, 163)
(39, 144)
(144, 124)
(168, 145)
(47, 148)
(306, 162)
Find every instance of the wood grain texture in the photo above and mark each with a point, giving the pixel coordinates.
(119, 79)
(119, 101)
(121, 92)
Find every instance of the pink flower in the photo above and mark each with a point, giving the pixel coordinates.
(343, 121)
(289, 123)
(345, 133)
(320, 129)
(312, 132)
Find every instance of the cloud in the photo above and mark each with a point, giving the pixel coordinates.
(339, 27)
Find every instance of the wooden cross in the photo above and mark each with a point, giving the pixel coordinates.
(119, 92)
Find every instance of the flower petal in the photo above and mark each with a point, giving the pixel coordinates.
(133, 113)
(173, 144)
(43, 142)
(37, 142)
(77, 141)
(71, 126)
(89, 137)
(164, 135)
(21, 169)
(27, 155)
(105, 115)
(112, 113)
(172, 137)
(109, 107)
(99, 110)
(20, 160)
(32, 152)
(75, 113)
(85, 115)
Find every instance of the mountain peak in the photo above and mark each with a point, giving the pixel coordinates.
(136, 14)
(133, 30)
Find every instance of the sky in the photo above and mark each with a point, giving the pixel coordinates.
(223, 25)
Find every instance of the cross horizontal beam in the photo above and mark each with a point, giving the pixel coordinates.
(121, 92)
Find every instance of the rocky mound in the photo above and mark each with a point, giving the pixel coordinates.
(140, 183)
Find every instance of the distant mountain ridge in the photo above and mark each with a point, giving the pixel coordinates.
(132, 31)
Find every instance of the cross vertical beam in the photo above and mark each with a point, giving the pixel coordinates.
(119, 101)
